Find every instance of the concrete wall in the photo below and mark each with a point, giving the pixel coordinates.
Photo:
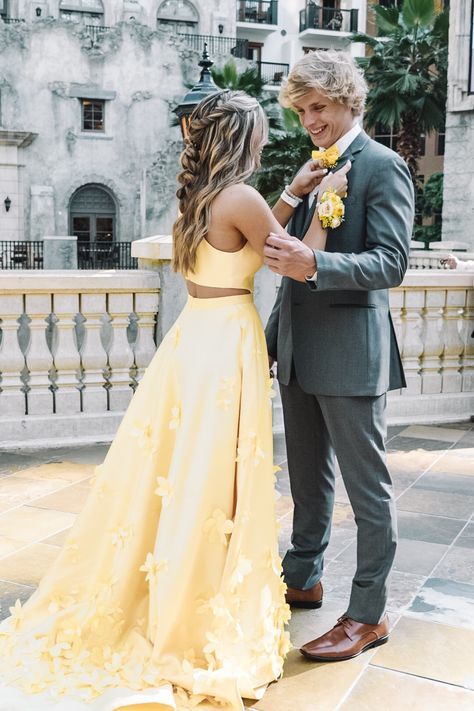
(458, 208)
(46, 65)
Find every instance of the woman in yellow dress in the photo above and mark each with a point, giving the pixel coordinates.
(167, 593)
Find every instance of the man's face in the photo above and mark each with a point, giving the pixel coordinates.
(325, 120)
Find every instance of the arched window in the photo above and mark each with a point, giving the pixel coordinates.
(85, 12)
(178, 16)
(92, 214)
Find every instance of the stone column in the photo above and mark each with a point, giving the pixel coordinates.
(60, 252)
(42, 212)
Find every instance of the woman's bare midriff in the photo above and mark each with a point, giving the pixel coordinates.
(211, 292)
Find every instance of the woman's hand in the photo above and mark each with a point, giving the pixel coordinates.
(308, 178)
(337, 182)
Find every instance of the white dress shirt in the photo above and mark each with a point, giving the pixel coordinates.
(342, 145)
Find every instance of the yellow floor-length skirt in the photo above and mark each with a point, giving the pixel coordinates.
(167, 591)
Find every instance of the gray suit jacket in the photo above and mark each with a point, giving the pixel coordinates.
(340, 336)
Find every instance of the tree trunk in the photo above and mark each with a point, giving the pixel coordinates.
(409, 143)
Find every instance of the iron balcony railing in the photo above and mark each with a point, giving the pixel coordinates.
(272, 72)
(105, 255)
(315, 17)
(21, 255)
(95, 31)
(259, 11)
(11, 20)
(216, 44)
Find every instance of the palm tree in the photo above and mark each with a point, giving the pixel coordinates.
(406, 69)
(229, 77)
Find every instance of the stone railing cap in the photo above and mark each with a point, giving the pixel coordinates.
(156, 247)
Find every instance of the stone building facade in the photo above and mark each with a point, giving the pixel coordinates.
(458, 205)
(87, 88)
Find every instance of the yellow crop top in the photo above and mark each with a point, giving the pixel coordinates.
(225, 270)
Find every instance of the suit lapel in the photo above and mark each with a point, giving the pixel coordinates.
(349, 154)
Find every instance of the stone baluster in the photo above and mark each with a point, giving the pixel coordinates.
(39, 359)
(453, 342)
(12, 361)
(145, 308)
(120, 306)
(396, 310)
(467, 359)
(432, 341)
(66, 355)
(412, 340)
(93, 354)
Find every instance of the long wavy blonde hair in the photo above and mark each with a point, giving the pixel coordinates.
(226, 134)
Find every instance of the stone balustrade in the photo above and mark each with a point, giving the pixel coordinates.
(431, 258)
(74, 344)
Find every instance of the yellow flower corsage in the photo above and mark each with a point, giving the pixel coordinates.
(330, 209)
(328, 158)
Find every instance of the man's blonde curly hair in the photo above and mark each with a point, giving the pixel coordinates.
(332, 73)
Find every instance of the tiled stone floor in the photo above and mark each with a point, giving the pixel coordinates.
(429, 661)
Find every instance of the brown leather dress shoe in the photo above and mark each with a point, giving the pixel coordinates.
(309, 599)
(346, 640)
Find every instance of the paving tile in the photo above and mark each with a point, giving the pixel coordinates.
(457, 565)
(443, 434)
(392, 691)
(403, 588)
(31, 524)
(343, 516)
(10, 593)
(15, 490)
(423, 527)
(447, 483)
(9, 545)
(430, 650)
(418, 557)
(438, 503)
(305, 625)
(340, 539)
(415, 444)
(57, 539)
(466, 539)
(410, 462)
(15, 461)
(445, 601)
(67, 471)
(19, 568)
(456, 461)
(70, 498)
(92, 454)
(308, 686)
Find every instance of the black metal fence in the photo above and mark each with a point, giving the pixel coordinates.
(216, 44)
(272, 72)
(315, 17)
(105, 255)
(21, 255)
(98, 255)
(259, 11)
(11, 20)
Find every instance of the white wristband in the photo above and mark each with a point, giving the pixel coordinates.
(292, 202)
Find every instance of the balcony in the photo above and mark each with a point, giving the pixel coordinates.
(98, 255)
(260, 16)
(272, 73)
(216, 44)
(96, 31)
(317, 20)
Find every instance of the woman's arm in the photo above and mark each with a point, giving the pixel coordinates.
(304, 182)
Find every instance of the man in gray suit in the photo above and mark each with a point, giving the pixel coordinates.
(332, 336)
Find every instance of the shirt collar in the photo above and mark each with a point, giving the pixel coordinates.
(345, 141)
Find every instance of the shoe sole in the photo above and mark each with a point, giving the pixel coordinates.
(307, 605)
(316, 658)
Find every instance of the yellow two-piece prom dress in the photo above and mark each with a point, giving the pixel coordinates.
(167, 593)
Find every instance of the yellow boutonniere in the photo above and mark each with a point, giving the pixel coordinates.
(330, 209)
(328, 158)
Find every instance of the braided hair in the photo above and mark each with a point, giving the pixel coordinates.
(226, 133)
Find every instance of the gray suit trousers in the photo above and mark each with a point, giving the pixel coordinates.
(318, 428)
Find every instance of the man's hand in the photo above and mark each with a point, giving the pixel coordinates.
(289, 257)
(308, 178)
